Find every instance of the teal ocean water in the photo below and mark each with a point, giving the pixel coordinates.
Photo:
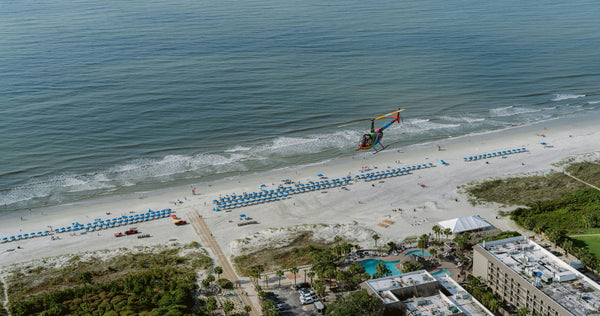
(102, 98)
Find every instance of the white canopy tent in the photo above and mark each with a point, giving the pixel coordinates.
(465, 224)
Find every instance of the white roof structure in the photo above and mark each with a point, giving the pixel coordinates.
(465, 224)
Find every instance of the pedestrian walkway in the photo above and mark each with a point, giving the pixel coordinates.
(209, 241)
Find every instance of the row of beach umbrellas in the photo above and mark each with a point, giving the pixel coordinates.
(98, 224)
(495, 154)
(265, 196)
(394, 172)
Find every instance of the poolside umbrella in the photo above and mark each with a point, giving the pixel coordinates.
(242, 216)
(46, 232)
(4, 239)
(544, 144)
(39, 233)
(19, 236)
(25, 235)
(12, 237)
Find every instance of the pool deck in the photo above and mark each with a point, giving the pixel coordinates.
(455, 272)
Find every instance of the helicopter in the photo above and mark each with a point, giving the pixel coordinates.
(369, 140)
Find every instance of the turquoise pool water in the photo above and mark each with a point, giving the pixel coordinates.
(443, 271)
(370, 265)
(418, 253)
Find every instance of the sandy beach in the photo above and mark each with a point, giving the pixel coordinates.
(410, 204)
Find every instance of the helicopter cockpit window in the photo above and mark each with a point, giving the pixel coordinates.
(366, 140)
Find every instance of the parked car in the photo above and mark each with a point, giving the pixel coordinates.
(309, 295)
(118, 234)
(131, 232)
(304, 290)
(307, 300)
(179, 222)
(302, 285)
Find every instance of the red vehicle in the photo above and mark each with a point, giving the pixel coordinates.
(131, 232)
(179, 222)
(118, 234)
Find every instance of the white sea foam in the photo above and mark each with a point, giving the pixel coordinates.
(511, 110)
(561, 96)
(593, 102)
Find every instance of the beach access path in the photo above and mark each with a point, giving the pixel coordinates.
(209, 241)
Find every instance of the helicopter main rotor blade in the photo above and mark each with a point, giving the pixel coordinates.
(349, 124)
(386, 115)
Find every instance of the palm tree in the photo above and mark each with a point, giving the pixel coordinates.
(437, 229)
(392, 245)
(279, 274)
(568, 245)
(247, 309)
(433, 252)
(294, 270)
(447, 232)
(423, 243)
(311, 275)
(493, 305)
(376, 238)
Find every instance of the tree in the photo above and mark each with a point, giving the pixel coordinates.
(211, 304)
(294, 270)
(86, 278)
(218, 270)
(269, 308)
(447, 232)
(433, 252)
(311, 275)
(568, 245)
(523, 311)
(228, 306)
(210, 278)
(493, 305)
(375, 238)
(319, 287)
(423, 243)
(358, 303)
(279, 274)
(408, 266)
(556, 235)
(381, 270)
(437, 229)
(392, 246)
(247, 309)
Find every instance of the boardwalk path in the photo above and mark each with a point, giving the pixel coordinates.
(209, 241)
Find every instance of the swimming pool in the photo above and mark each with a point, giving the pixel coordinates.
(443, 271)
(370, 265)
(418, 253)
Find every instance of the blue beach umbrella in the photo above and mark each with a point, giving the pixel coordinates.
(4, 239)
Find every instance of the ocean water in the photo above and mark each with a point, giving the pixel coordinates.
(102, 98)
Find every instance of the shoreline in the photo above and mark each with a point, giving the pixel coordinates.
(176, 186)
(426, 196)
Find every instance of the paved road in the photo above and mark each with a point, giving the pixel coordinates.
(209, 241)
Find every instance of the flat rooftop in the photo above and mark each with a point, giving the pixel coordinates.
(554, 277)
(443, 296)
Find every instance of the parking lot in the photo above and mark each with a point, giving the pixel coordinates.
(289, 297)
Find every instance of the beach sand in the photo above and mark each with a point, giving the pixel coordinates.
(425, 196)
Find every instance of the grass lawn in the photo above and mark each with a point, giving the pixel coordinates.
(592, 243)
